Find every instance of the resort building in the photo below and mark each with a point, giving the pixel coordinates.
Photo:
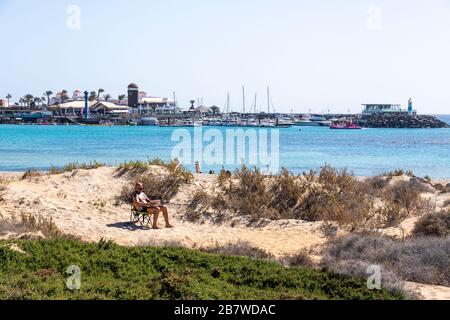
(382, 108)
(72, 108)
(109, 108)
(75, 108)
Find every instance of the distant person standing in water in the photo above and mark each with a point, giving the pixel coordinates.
(198, 168)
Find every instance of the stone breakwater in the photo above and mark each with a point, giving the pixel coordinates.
(391, 120)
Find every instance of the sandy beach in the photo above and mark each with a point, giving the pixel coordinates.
(82, 203)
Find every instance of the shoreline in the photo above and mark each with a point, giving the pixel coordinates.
(442, 180)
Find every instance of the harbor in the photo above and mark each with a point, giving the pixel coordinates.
(137, 108)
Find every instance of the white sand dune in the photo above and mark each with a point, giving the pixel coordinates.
(82, 203)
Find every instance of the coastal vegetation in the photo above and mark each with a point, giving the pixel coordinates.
(349, 222)
(157, 185)
(72, 166)
(76, 166)
(29, 225)
(435, 224)
(37, 269)
(422, 259)
(329, 195)
(4, 181)
(398, 173)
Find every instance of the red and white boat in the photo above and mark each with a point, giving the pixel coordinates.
(345, 126)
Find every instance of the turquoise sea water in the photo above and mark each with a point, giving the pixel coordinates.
(365, 152)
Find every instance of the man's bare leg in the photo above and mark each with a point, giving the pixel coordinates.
(165, 213)
(155, 214)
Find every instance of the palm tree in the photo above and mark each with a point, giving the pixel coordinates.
(8, 96)
(100, 91)
(44, 104)
(37, 101)
(121, 97)
(28, 98)
(192, 105)
(64, 96)
(215, 110)
(21, 102)
(107, 97)
(92, 96)
(48, 94)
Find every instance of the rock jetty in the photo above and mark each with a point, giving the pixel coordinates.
(392, 120)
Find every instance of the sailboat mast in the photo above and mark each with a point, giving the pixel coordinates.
(175, 99)
(243, 99)
(268, 100)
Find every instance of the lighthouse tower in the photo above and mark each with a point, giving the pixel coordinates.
(410, 107)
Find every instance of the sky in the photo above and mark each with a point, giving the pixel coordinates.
(315, 55)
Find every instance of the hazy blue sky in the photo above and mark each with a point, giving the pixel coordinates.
(314, 54)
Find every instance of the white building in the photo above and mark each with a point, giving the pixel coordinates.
(77, 95)
(109, 108)
(4, 103)
(382, 108)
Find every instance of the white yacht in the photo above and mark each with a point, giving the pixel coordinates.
(311, 120)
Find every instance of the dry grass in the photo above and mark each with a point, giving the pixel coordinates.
(198, 206)
(133, 167)
(34, 173)
(337, 196)
(401, 201)
(76, 166)
(434, 224)
(447, 203)
(31, 174)
(299, 259)
(4, 181)
(156, 186)
(422, 260)
(330, 195)
(240, 249)
(27, 223)
(398, 173)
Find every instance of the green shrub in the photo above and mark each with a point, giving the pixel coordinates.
(123, 273)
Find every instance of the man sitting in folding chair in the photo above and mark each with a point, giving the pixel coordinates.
(144, 205)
